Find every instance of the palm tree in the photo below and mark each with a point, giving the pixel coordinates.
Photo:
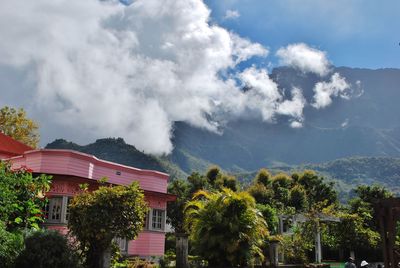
(225, 227)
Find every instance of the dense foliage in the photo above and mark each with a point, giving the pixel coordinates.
(97, 217)
(225, 227)
(15, 124)
(21, 203)
(21, 197)
(11, 244)
(47, 249)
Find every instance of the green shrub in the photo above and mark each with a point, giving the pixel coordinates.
(47, 248)
(10, 246)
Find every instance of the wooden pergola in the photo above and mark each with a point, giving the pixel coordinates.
(388, 214)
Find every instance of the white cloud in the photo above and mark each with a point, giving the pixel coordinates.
(263, 95)
(296, 124)
(304, 58)
(324, 91)
(244, 49)
(295, 106)
(231, 14)
(104, 69)
(93, 69)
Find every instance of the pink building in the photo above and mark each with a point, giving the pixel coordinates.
(71, 168)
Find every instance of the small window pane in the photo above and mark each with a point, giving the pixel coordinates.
(157, 219)
(67, 209)
(55, 209)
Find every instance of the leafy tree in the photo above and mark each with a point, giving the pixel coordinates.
(351, 233)
(47, 249)
(263, 176)
(270, 216)
(296, 247)
(317, 190)
(97, 217)
(281, 184)
(14, 123)
(225, 227)
(363, 204)
(261, 193)
(298, 198)
(226, 181)
(212, 174)
(197, 182)
(21, 197)
(175, 210)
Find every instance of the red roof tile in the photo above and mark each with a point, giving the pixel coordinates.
(10, 146)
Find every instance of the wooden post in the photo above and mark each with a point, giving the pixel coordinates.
(388, 213)
(182, 251)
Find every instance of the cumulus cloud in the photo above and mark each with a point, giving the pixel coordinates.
(324, 91)
(304, 58)
(99, 68)
(231, 14)
(263, 95)
(105, 69)
(295, 106)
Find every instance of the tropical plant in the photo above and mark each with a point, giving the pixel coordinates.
(225, 227)
(175, 210)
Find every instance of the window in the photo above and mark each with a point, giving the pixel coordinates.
(56, 210)
(122, 244)
(157, 221)
(53, 209)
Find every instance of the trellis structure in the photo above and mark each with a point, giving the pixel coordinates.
(388, 213)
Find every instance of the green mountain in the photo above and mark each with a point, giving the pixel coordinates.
(367, 125)
(116, 150)
(346, 172)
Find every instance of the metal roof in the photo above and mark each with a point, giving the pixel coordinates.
(12, 147)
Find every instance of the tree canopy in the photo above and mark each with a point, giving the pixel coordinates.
(16, 124)
(97, 217)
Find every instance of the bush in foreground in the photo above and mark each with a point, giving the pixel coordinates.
(47, 248)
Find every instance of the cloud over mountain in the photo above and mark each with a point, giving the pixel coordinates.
(101, 68)
(304, 58)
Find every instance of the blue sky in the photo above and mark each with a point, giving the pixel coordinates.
(355, 33)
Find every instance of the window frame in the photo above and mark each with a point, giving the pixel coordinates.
(48, 210)
(161, 220)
